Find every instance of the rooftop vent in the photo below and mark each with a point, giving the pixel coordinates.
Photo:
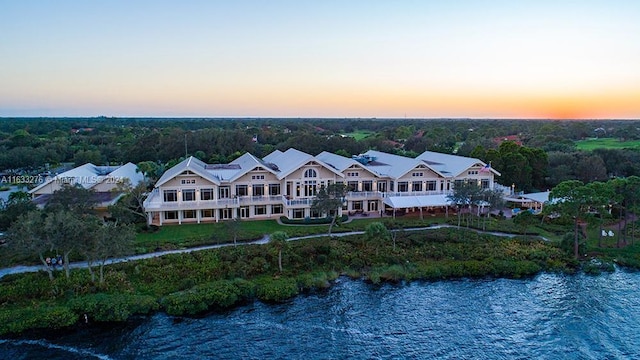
(222, 167)
(363, 159)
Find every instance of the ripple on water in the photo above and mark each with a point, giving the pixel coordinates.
(550, 317)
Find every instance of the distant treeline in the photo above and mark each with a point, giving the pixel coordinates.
(548, 157)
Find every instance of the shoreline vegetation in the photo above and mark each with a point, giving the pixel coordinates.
(194, 283)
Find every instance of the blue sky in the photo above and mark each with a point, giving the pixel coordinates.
(488, 59)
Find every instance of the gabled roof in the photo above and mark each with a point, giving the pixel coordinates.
(340, 163)
(248, 162)
(129, 171)
(189, 164)
(394, 166)
(90, 175)
(450, 165)
(292, 159)
(288, 161)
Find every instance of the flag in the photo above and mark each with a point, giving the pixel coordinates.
(486, 168)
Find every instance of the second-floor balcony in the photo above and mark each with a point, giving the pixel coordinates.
(417, 193)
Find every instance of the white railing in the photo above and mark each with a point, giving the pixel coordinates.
(417, 193)
(364, 195)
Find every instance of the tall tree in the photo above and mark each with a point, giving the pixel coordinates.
(234, 227)
(376, 233)
(74, 198)
(494, 200)
(66, 230)
(572, 198)
(278, 240)
(17, 204)
(26, 236)
(329, 200)
(112, 240)
(463, 195)
(523, 220)
(130, 207)
(601, 199)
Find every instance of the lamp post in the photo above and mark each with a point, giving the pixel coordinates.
(513, 189)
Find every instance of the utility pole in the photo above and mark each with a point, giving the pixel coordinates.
(185, 146)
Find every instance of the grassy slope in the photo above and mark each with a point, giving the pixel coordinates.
(360, 134)
(606, 143)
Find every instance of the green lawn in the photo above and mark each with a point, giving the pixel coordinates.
(188, 235)
(360, 134)
(606, 143)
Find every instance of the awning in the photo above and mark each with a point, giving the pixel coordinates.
(403, 202)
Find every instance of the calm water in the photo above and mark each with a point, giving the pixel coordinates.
(549, 317)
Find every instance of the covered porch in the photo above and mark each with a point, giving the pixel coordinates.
(425, 204)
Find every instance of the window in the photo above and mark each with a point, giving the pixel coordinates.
(417, 174)
(356, 205)
(403, 186)
(472, 172)
(417, 186)
(206, 213)
(189, 214)
(367, 185)
(188, 195)
(241, 190)
(352, 186)
(223, 192)
(244, 212)
(261, 210)
(431, 185)
(310, 173)
(484, 183)
(353, 174)
(206, 194)
(298, 213)
(188, 181)
(258, 190)
(382, 186)
(277, 209)
(226, 213)
(257, 177)
(170, 195)
(171, 215)
(310, 188)
(274, 189)
(457, 183)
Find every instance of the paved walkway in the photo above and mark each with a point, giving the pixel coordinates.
(264, 240)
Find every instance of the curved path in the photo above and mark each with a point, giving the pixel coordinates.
(264, 240)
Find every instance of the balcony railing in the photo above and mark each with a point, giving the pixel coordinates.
(364, 195)
(417, 193)
(154, 201)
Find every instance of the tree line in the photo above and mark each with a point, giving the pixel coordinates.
(67, 227)
(547, 157)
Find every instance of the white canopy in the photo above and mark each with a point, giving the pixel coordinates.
(403, 202)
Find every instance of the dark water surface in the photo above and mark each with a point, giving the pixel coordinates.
(549, 317)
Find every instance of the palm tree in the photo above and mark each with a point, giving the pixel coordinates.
(278, 240)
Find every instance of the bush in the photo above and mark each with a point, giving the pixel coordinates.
(217, 294)
(310, 221)
(113, 307)
(14, 321)
(276, 290)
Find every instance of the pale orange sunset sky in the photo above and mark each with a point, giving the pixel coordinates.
(432, 59)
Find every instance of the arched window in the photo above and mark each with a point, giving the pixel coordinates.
(310, 173)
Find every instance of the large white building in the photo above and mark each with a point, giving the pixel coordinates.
(105, 181)
(285, 183)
